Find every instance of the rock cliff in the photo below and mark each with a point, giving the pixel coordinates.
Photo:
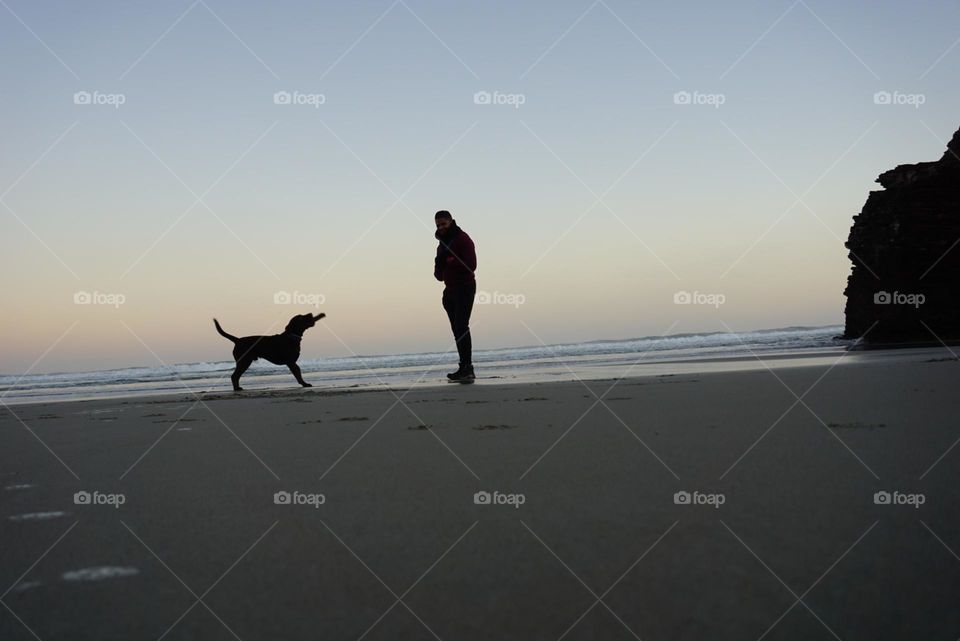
(905, 247)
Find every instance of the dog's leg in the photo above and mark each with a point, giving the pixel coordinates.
(242, 366)
(296, 374)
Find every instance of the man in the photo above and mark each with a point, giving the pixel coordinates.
(454, 265)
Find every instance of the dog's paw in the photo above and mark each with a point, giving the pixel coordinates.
(307, 385)
(237, 389)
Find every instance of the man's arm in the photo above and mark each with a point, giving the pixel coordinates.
(438, 265)
(464, 254)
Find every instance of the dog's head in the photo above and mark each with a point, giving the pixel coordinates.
(302, 322)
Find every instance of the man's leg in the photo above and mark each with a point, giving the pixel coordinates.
(463, 310)
(449, 306)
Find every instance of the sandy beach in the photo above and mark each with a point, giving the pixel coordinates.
(303, 514)
(480, 321)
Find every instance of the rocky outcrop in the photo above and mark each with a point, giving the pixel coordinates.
(905, 249)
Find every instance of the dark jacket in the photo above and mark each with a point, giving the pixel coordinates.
(456, 258)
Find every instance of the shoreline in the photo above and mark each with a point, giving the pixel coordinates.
(543, 362)
(595, 368)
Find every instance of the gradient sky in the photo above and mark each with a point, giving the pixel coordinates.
(597, 199)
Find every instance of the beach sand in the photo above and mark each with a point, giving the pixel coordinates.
(398, 549)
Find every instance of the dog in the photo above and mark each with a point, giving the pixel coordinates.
(279, 349)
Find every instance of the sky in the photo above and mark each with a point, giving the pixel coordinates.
(165, 163)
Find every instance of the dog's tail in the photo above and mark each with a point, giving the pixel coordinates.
(223, 333)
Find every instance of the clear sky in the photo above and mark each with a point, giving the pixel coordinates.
(180, 186)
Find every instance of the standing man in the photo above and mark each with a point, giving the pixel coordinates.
(454, 265)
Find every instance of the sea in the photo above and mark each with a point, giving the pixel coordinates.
(648, 355)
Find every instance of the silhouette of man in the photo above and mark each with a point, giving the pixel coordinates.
(454, 265)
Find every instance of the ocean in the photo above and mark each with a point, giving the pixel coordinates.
(587, 360)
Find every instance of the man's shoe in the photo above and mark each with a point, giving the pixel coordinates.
(463, 375)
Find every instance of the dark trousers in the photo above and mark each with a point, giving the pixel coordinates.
(458, 302)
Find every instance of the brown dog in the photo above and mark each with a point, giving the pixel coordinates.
(279, 349)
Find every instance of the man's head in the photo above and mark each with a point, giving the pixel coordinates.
(444, 220)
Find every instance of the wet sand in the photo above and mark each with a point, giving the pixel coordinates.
(582, 537)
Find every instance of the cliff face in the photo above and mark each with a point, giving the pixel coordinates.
(905, 249)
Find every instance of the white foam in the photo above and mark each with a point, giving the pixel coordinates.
(20, 486)
(99, 573)
(36, 516)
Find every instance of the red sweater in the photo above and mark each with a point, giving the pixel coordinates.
(456, 267)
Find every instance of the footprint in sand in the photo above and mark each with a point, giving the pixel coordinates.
(99, 573)
(494, 427)
(855, 425)
(37, 516)
(27, 585)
